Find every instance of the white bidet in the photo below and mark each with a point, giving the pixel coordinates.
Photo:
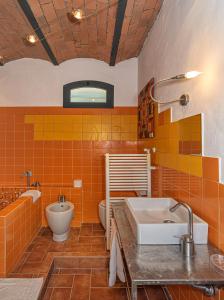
(59, 217)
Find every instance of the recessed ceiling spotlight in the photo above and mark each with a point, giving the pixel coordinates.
(77, 14)
(31, 39)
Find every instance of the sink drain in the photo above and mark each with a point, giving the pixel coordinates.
(168, 221)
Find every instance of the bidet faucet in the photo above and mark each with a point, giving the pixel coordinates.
(61, 199)
(187, 241)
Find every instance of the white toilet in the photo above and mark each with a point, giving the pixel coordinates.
(59, 217)
(102, 213)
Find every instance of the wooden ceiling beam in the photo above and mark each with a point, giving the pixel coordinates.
(117, 30)
(33, 22)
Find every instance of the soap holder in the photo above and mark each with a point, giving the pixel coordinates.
(217, 261)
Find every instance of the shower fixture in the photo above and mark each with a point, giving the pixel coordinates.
(184, 99)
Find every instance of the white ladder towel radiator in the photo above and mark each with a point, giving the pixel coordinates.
(125, 172)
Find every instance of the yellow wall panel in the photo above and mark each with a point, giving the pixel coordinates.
(83, 127)
(195, 165)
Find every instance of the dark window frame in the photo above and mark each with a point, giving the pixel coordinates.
(88, 83)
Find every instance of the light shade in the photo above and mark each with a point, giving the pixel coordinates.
(32, 39)
(77, 14)
(192, 74)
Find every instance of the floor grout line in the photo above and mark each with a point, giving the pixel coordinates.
(72, 287)
(90, 283)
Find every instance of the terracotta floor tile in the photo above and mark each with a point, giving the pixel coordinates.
(47, 295)
(18, 275)
(81, 287)
(46, 231)
(99, 278)
(97, 248)
(97, 226)
(61, 294)
(91, 240)
(154, 293)
(36, 256)
(72, 246)
(31, 268)
(56, 271)
(56, 247)
(86, 225)
(93, 262)
(21, 262)
(142, 295)
(66, 262)
(108, 294)
(75, 271)
(100, 233)
(30, 247)
(120, 284)
(86, 231)
(61, 280)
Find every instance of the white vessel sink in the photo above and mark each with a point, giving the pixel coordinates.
(151, 219)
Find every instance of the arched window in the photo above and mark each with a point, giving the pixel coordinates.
(87, 94)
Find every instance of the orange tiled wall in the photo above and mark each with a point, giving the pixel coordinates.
(60, 145)
(19, 223)
(189, 178)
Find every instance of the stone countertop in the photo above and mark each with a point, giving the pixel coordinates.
(164, 264)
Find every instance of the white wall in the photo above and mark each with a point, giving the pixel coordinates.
(188, 35)
(34, 82)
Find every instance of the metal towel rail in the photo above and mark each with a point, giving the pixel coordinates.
(125, 172)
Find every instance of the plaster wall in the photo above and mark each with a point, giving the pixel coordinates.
(34, 82)
(188, 35)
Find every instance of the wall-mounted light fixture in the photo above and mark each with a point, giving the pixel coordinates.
(184, 99)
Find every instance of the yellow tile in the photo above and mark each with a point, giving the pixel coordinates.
(174, 146)
(68, 136)
(183, 163)
(29, 119)
(124, 127)
(106, 136)
(91, 136)
(77, 136)
(48, 135)
(105, 119)
(49, 118)
(131, 136)
(116, 123)
(38, 127)
(48, 127)
(76, 119)
(196, 136)
(116, 136)
(174, 130)
(57, 126)
(106, 127)
(167, 116)
(92, 127)
(92, 119)
(38, 135)
(124, 136)
(33, 119)
(195, 163)
(77, 127)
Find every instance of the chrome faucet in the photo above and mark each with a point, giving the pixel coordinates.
(61, 199)
(187, 240)
(36, 184)
(27, 174)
